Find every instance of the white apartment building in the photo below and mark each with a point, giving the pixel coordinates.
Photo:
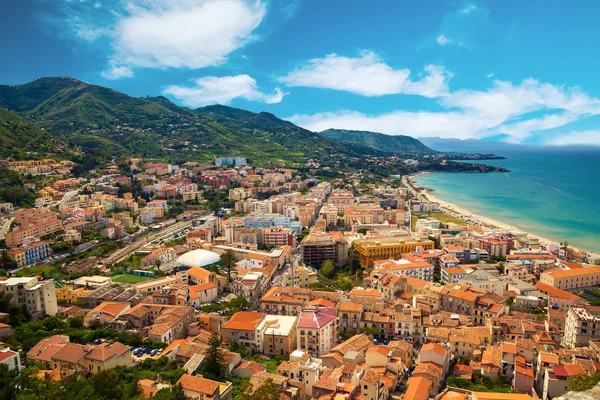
(581, 326)
(38, 296)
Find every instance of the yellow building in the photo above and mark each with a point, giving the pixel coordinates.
(370, 250)
(71, 295)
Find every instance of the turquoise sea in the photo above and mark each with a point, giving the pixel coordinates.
(554, 193)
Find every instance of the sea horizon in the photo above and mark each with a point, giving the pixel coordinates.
(550, 193)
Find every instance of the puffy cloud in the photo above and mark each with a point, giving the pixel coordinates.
(117, 72)
(221, 90)
(416, 124)
(184, 33)
(167, 34)
(581, 138)
(366, 75)
(514, 110)
(443, 40)
(506, 99)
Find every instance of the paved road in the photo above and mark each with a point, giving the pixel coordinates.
(4, 228)
(67, 197)
(145, 240)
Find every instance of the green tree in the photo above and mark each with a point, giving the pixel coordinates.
(580, 383)
(107, 385)
(267, 391)
(75, 322)
(7, 263)
(8, 387)
(212, 368)
(327, 269)
(228, 262)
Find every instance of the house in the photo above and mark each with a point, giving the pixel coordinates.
(242, 328)
(197, 387)
(304, 368)
(555, 379)
(417, 388)
(352, 350)
(202, 294)
(11, 359)
(106, 312)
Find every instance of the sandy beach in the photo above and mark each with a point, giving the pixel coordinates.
(473, 218)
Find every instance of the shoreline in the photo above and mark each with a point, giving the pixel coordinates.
(476, 219)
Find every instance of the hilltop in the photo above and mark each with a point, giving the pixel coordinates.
(386, 143)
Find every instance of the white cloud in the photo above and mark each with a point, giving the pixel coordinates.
(504, 108)
(582, 138)
(443, 40)
(490, 75)
(469, 9)
(416, 124)
(114, 71)
(508, 100)
(168, 34)
(221, 90)
(366, 75)
(185, 33)
(523, 129)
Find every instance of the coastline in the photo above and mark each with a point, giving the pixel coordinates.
(476, 219)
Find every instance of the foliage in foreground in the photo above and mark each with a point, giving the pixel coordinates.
(116, 383)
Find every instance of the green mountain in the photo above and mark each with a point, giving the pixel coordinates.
(104, 120)
(20, 139)
(379, 141)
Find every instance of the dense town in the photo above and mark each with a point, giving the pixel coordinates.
(230, 281)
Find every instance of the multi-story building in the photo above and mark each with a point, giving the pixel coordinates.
(38, 296)
(304, 368)
(31, 216)
(299, 276)
(278, 236)
(318, 247)
(452, 274)
(316, 330)
(242, 328)
(278, 335)
(484, 281)
(370, 250)
(582, 326)
(30, 253)
(18, 236)
(416, 268)
(571, 279)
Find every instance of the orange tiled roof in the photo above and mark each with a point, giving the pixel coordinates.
(198, 384)
(441, 350)
(244, 321)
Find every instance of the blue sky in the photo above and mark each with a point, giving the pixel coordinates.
(521, 71)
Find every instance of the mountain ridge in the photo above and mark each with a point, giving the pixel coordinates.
(155, 127)
(397, 144)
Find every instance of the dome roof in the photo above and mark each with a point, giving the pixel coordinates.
(198, 258)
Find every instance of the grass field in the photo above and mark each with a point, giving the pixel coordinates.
(127, 278)
(440, 216)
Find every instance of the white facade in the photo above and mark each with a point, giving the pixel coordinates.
(38, 296)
